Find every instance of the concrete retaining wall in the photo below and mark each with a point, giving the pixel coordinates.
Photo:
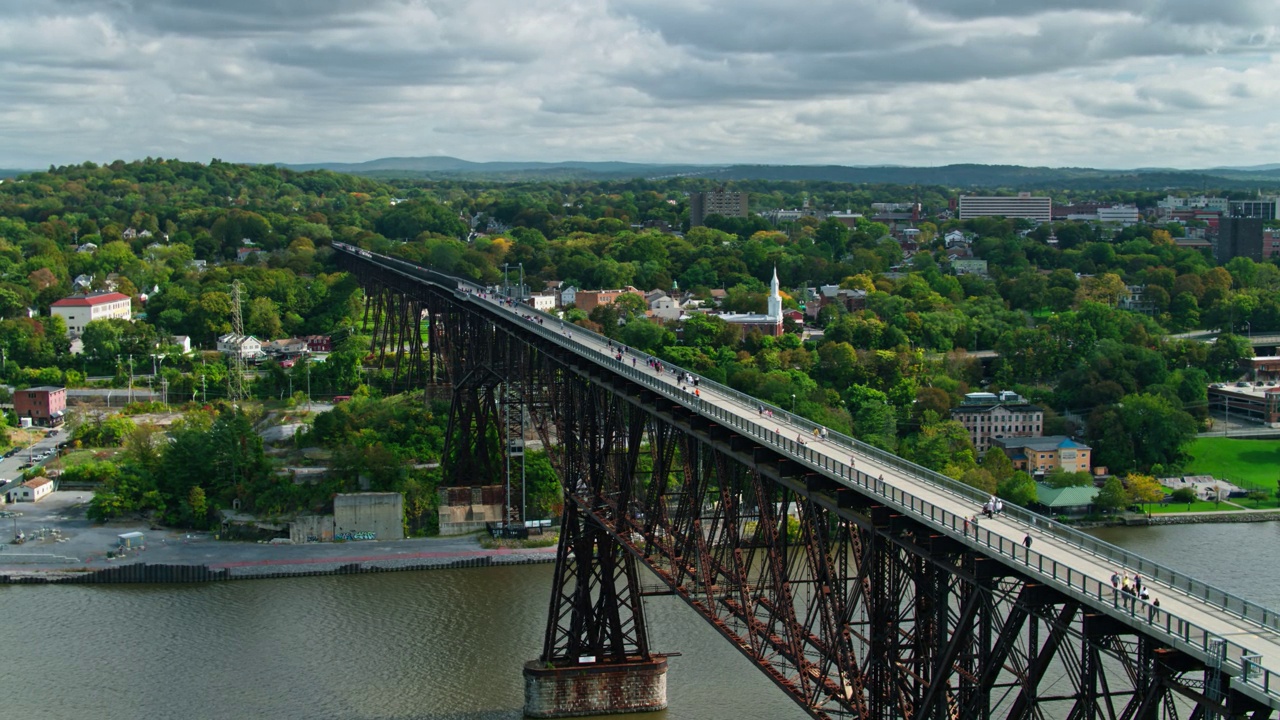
(360, 513)
(1222, 517)
(144, 573)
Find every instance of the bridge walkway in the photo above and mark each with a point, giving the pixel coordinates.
(1208, 623)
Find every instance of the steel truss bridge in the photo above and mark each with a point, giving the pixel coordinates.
(848, 575)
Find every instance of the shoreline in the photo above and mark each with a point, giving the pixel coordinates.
(145, 572)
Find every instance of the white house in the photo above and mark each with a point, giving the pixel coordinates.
(35, 489)
(247, 346)
(568, 296)
(183, 342)
(83, 308)
(545, 302)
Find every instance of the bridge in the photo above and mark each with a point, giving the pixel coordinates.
(862, 585)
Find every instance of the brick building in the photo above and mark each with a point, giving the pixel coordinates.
(46, 406)
(988, 416)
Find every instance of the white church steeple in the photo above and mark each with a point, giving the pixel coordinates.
(775, 298)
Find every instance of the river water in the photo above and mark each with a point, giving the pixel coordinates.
(434, 645)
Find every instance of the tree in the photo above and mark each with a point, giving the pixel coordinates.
(102, 338)
(1143, 489)
(263, 319)
(198, 506)
(1139, 432)
(1183, 495)
(1019, 488)
(1060, 478)
(942, 445)
(1107, 289)
(1112, 495)
(998, 464)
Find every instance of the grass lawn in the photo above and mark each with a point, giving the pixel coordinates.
(82, 456)
(1197, 506)
(1251, 464)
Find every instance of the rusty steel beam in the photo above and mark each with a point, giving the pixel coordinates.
(850, 607)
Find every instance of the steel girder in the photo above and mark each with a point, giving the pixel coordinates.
(854, 610)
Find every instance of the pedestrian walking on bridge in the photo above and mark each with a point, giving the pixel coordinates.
(1026, 542)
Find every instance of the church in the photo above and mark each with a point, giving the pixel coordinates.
(768, 324)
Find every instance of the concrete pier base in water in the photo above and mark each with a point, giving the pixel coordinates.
(597, 689)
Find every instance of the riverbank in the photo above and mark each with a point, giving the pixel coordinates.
(63, 546)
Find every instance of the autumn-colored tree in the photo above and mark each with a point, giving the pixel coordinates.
(1107, 288)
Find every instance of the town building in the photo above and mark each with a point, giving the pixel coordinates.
(319, 343)
(988, 416)
(1263, 208)
(1067, 500)
(285, 347)
(546, 302)
(83, 308)
(1119, 215)
(246, 346)
(45, 405)
(1023, 205)
(1239, 237)
(1245, 401)
(1136, 300)
(568, 296)
(770, 323)
(183, 342)
(1042, 455)
(588, 300)
(716, 202)
(34, 489)
(1171, 204)
(824, 295)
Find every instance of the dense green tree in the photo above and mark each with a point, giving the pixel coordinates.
(1112, 496)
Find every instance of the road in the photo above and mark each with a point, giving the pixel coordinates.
(11, 467)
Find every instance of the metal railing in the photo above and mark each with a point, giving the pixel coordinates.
(1244, 661)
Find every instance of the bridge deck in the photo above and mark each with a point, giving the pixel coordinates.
(1192, 616)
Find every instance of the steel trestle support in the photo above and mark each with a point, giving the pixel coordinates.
(853, 609)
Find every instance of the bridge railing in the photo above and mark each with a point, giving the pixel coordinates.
(1123, 559)
(1237, 656)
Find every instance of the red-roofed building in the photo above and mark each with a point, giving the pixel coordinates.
(81, 309)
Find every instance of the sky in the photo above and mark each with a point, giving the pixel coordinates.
(1091, 83)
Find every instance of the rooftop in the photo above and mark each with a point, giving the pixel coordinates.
(90, 299)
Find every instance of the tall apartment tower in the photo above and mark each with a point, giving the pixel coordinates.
(716, 202)
(1239, 237)
(1024, 205)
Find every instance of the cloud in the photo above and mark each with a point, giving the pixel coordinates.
(895, 81)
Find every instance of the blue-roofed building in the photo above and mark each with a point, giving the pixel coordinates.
(1046, 454)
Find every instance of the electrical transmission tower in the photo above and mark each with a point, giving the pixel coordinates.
(235, 378)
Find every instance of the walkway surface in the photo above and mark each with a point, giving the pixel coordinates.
(1059, 561)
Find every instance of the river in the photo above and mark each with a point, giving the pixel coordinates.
(435, 645)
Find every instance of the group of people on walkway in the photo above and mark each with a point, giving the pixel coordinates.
(1130, 590)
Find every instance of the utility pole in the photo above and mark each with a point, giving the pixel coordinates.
(235, 387)
(130, 378)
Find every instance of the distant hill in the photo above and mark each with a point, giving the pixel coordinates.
(13, 172)
(1264, 177)
(444, 166)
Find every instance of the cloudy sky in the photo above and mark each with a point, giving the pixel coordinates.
(1102, 83)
